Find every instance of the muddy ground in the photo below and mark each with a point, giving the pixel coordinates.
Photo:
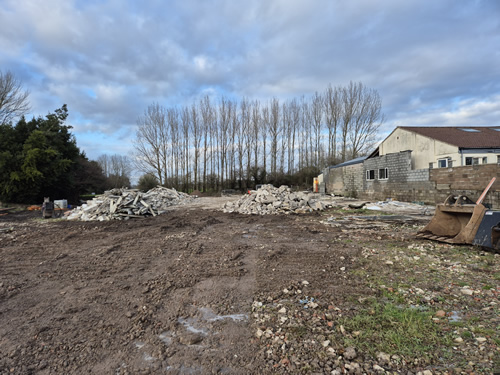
(185, 293)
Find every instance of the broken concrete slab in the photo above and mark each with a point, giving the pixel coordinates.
(269, 200)
(123, 204)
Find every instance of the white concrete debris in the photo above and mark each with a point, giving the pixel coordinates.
(269, 200)
(397, 206)
(122, 204)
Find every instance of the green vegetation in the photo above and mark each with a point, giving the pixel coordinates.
(393, 329)
(39, 158)
(147, 182)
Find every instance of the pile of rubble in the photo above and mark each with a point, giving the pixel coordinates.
(269, 200)
(122, 204)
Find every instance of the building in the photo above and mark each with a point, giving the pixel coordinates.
(345, 178)
(423, 164)
(444, 147)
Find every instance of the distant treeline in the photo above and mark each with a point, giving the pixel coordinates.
(215, 144)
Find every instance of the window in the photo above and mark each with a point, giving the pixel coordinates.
(471, 161)
(370, 175)
(498, 159)
(442, 163)
(431, 165)
(485, 160)
(383, 174)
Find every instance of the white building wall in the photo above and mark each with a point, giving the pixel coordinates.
(426, 150)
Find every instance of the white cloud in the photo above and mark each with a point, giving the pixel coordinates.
(432, 62)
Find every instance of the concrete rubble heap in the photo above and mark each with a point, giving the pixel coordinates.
(269, 200)
(122, 204)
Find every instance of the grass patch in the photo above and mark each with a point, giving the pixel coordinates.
(298, 331)
(484, 331)
(394, 297)
(466, 335)
(393, 329)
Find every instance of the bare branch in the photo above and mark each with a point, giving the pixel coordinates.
(13, 100)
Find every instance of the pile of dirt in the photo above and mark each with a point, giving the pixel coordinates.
(269, 200)
(123, 204)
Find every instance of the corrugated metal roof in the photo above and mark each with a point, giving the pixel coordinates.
(461, 136)
(349, 162)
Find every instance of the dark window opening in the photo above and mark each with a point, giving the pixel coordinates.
(383, 174)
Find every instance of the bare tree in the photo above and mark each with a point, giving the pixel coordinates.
(274, 132)
(148, 144)
(225, 108)
(174, 158)
(317, 116)
(243, 140)
(185, 119)
(305, 134)
(366, 122)
(116, 168)
(264, 125)
(121, 165)
(295, 122)
(196, 132)
(207, 119)
(333, 113)
(350, 103)
(256, 120)
(214, 151)
(13, 100)
(105, 164)
(233, 131)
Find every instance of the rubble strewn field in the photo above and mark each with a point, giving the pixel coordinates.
(202, 291)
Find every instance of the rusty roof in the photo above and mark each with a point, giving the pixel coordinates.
(461, 136)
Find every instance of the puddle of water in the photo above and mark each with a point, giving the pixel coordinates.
(190, 370)
(188, 323)
(210, 316)
(192, 324)
(166, 338)
(454, 317)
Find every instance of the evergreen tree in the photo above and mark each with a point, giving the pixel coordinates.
(40, 159)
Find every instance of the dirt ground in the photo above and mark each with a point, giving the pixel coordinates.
(174, 293)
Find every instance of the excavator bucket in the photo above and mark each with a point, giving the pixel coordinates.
(455, 221)
(459, 220)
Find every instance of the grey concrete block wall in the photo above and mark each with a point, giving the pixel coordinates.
(421, 185)
(346, 181)
(402, 183)
(418, 175)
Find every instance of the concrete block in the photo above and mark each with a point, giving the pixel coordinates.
(443, 186)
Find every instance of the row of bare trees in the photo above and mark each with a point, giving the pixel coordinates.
(116, 169)
(236, 144)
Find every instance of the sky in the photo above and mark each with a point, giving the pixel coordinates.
(433, 63)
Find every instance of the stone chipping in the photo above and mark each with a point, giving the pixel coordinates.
(269, 200)
(123, 204)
